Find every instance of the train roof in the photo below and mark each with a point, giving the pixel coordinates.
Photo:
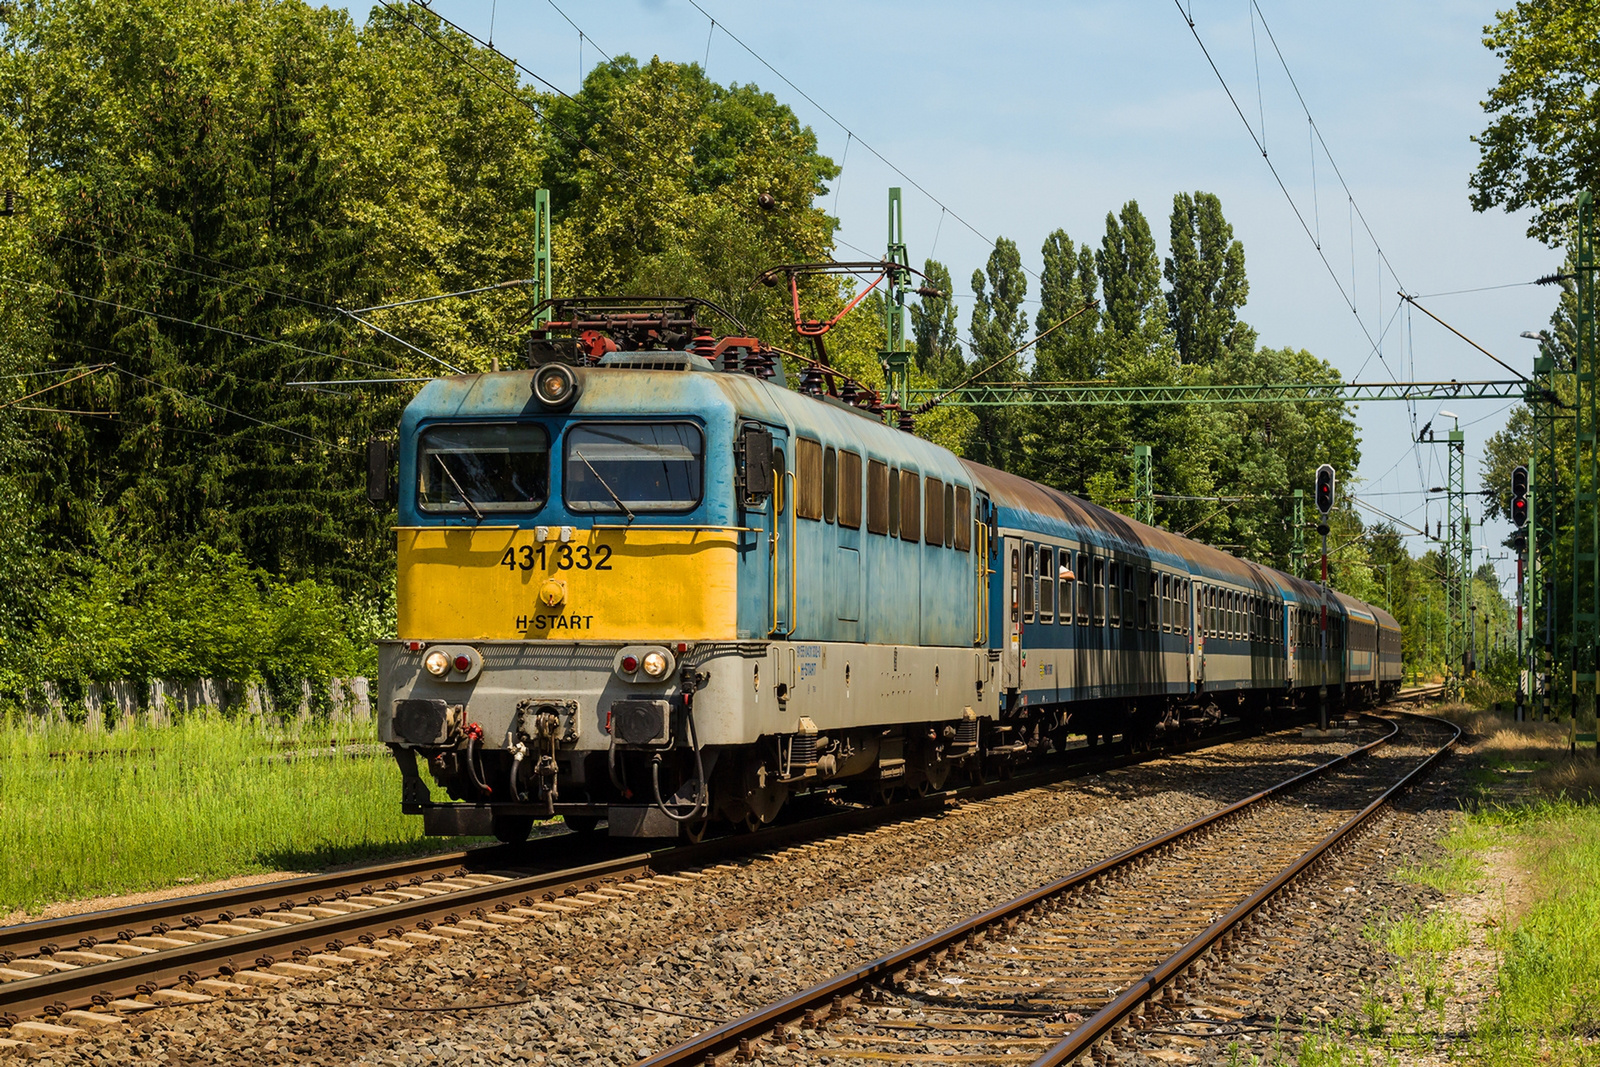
(1020, 494)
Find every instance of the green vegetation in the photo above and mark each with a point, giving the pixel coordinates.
(1548, 1005)
(85, 813)
(175, 257)
(1422, 945)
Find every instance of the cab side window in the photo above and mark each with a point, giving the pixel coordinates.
(961, 520)
(933, 512)
(808, 467)
(910, 506)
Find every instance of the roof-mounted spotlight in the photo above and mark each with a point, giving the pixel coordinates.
(556, 386)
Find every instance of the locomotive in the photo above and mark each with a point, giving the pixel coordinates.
(645, 581)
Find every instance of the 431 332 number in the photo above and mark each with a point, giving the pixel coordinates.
(527, 557)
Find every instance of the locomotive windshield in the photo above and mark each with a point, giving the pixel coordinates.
(632, 467)
(488, 468)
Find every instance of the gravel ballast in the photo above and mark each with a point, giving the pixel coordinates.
(616, 982)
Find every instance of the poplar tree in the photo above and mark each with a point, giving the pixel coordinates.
(1130, 271)
(933, 327)
(998, 326)
(1206, 274)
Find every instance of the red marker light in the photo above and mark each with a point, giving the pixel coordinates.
(414, 646)
(630, 664)
(683, 646)
(463, 663)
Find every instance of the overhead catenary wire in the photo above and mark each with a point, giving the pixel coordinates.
(850, 133)
(169, 318)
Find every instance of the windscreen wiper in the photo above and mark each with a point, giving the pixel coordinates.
(604, 486)
(464, 498)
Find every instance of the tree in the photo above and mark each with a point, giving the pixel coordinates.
(1066, 284)
(1266, 451)
(933, 327)
(1207, 279)
(1130, 272)
(658, 178)
(998, 327)
(1542, 145)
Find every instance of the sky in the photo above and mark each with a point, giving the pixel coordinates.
(1014, 119)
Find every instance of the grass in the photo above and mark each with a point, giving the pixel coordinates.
(86, 814)
(1547, 1003)
(1532, 801)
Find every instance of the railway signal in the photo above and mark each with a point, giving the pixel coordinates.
(1519, 496)
(1325, 488)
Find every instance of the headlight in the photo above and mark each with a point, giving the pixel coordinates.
(437, 663)
(556, 386)
(655, 664)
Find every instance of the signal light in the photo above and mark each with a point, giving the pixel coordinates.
(1519, 496)
(1325, 488)
(463, 663)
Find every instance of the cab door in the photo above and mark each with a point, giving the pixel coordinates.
(782, 548)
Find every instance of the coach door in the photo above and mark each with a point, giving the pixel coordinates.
(1011, 647)
(1288, 637)
(1197, 635)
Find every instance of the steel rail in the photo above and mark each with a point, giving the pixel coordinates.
(105, 925)
(1103, 1022)
(71, 931)
(715, 1042)
(82, 986)
(98, 983)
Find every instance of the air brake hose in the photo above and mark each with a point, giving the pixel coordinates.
(474, 737)
(702, 792)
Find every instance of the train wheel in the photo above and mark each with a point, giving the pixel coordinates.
(512, 829)
(581, 824)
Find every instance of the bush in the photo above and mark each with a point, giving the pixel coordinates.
(207, 615)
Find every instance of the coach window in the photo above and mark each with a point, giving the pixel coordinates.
(830, 485)
(933, 513)
(808, 465)
(1085, 586)
(1150, 607)
(1047, 584)
(1064, 597)
(1114, 593)
(850, 490)
(961, 525)
(1030, 581)
(1127, 595)
(1099, 591)
(950, 516)
(894, 502)
(910, 506)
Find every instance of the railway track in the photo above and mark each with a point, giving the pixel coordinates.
(79, 971)
(1075, 967)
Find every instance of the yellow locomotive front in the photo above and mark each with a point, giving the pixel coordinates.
(570, 548)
